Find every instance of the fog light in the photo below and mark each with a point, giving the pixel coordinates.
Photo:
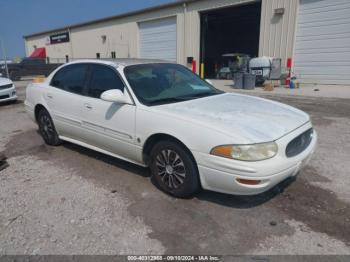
(248, 182)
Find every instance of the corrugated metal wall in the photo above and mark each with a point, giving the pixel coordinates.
(276, 36)
(277, 32)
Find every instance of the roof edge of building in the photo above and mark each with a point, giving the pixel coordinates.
(122, 15)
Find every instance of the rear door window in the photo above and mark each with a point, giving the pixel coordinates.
(103, 79)
(71, 78)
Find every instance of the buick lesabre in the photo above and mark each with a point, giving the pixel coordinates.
(162, 116)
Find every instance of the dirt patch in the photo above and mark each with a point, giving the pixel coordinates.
(318, 208)
(322, 121)
(28, 142)
(208, 223)
(46, 209)
(312, 175)
(325, 107)
(182, 226)
(195, 225)
(3, 162)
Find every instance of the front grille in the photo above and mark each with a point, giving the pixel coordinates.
(5, 86)
(300, 143)
(4, 97)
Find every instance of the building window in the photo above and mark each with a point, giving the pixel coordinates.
(113, 55)
(98, 56)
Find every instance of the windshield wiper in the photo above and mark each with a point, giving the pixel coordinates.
(199, 95)
(168, 100)
(177, 99)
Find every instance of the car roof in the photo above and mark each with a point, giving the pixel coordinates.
(123, 62)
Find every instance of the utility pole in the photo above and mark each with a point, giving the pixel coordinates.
(5, 58)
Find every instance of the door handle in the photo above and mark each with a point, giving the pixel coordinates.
(88, 106)
(49, 96)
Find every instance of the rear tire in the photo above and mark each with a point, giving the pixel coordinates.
(174, 170)
(47, 128)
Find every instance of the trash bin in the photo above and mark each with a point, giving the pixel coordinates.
(238, 80)
(249, 81)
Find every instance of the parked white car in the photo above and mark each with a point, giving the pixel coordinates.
(7, 90)
(161, 115)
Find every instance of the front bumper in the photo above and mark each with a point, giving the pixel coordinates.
(221, 174)
(8, 94)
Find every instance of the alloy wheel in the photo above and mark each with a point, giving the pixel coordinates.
(171, 168)
(46, 127)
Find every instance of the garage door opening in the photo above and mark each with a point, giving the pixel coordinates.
(234, 30)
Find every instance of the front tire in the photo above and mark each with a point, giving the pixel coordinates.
(47, 128)
(174, 169)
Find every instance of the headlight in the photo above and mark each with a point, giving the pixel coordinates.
(256, 152)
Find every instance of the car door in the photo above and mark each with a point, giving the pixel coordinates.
(110, 125)
(65, 99)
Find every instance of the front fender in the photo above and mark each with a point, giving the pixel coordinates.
(194, 136)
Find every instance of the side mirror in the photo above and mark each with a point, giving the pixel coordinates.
(209, 82)
(116, 96)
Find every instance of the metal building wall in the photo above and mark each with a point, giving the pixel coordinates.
(53, 51)
(120, 38)
(277, 33)
(276, 36)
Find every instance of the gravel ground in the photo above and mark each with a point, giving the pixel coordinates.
(71, 200)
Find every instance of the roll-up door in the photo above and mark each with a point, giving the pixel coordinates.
(322, 47)
(158, 39)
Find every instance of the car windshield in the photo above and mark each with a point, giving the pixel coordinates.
(155, 84)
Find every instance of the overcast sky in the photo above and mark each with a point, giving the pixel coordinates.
(22, 17)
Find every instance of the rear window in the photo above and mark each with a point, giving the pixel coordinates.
(71, 78)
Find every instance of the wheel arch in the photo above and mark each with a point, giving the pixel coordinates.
(154, 139)
(37, 109)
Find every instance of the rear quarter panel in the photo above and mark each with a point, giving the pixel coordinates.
(35, 93)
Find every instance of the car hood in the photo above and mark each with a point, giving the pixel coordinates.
(5, 81)
(246, 118)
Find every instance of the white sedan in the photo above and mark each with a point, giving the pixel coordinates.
(161, 115)
(7, 90)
